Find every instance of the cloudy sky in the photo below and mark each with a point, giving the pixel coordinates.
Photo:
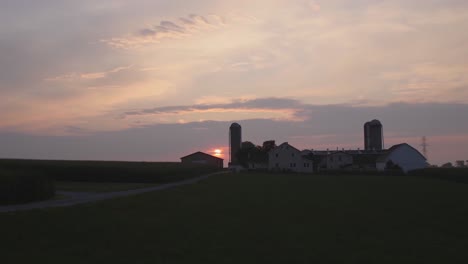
(155, 80)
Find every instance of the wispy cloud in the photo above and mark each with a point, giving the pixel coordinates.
(87, 76)
(181, 28)
(290, 106)
(426, 81)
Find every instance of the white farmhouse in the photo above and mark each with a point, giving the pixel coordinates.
(288, 158)
(403, 155)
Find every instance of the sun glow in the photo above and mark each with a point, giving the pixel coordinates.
(218, 152)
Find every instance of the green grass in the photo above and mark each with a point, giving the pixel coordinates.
(254, 218)
(99, 187)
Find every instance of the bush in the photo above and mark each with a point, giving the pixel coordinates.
(23, 186)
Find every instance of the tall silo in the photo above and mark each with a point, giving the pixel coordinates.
(373, 135)
(235, 141)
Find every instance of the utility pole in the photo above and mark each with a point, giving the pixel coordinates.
(424, 146)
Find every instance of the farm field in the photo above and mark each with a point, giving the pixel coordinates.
(23, 181)
(254, 218)
(107, 171)
(99, 187)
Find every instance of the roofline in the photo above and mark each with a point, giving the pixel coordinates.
(201, 153)
(288, 145)
(394, 147)
(339, 151)
(415, 150)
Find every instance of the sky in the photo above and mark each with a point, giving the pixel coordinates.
(156, 80)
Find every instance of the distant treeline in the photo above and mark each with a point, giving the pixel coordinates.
(108, 171)
(452, 174)
(19, 186)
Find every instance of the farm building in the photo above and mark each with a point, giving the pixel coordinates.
(203, 158)
(373, 158)
(338, 160)
(288, 158)
(344, 159)
(403, 155)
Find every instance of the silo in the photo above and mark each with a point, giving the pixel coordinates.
(235, 141)
(373, 135)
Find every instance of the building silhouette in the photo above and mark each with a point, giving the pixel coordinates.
(235, 141)
(373, 135)
(200, 158)
(400, 158)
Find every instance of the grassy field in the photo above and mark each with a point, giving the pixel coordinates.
(24, 181)
(449, 174)
(254, 218)
(99, 187)
(23, 186)
(108, 171)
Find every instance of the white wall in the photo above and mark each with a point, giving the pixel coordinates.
(335, 161)
(406, 157)
(286, 157)
(258, 166)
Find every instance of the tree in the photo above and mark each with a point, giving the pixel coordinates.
(251, 153)
(245, 153)
(447, 165)
(268, 145)
(247, 145)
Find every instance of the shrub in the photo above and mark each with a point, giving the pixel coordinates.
(24, 186)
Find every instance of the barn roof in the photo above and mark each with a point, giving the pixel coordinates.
(202, 153)
(289, 145)
(389, 151)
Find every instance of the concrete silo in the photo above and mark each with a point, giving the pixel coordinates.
(373, 135)
(235, 141)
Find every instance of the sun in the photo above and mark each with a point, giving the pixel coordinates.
(217, 152)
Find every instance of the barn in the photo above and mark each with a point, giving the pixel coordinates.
(202, 158)
(403, 155)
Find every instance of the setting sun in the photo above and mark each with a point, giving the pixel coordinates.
(218, 152)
